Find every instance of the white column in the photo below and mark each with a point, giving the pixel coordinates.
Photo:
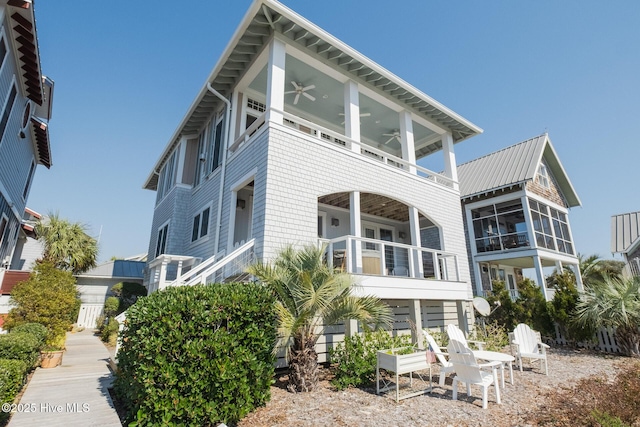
(576, 272)
(463, 316)
(477, 272)
(352, 114)
(407, 141)
(275, 81)
(540, 275)
(163, 273)
(415, 314)
(450, 169)
(529, 222)
(416, 257)
(350, 327)
(356, 230)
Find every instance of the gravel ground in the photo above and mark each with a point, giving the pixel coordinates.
(362, 407)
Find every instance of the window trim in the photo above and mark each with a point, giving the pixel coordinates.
(199, 237)
(164, 227)
(27, 185)
(3, 128)
(3, 39)
(543, 176)
(3, 227)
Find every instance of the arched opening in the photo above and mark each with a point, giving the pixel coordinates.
(379, 235)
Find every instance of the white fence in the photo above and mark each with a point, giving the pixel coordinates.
(606, 340)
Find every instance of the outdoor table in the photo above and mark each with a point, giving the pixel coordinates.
(494, 356)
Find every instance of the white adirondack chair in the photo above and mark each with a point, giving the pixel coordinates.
(456, 334)
(445, 366)
(528, 344)
(468, 371)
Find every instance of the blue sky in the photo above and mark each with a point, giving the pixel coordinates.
(126, 73)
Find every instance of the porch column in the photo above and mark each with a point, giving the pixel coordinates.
(528, 221)
(352, 114)
(450, 169)
(416, 256)
(463, 316)
(477, 272)
(275, 81)
(415, 314)
(407, 141)
(356, 230)
(163, 273)
(540, 276)
(576, 272)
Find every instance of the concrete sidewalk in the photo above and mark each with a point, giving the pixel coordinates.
(73, 394)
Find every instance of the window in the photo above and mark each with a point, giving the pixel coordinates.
(542, 224)
(200, 225)
(201, 159)
(7, 110)
(500, 226)
(3, 227)
(543, 176)
(254, 110)
(3, 51)
(29, 178)
(561, 229)
(215, 148)
(161, 243)
(167, 177)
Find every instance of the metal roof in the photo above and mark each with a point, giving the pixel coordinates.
(262, 20)
(511, 166)
(118, 269)
(625, 231)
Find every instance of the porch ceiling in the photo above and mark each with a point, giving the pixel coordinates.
(372, 204)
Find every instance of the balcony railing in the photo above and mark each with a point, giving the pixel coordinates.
(341, 142)
(503, 242)
(360, 255)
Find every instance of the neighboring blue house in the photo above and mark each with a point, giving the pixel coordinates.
(25, 109)
(297, 138)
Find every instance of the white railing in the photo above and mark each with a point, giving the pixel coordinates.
(338, 140)
(360, 255)
(167, 270)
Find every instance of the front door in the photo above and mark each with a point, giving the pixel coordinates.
(376, 254)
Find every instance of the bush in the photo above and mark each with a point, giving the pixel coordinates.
(35, 329)
(12, 373)
(197, 355)
(562, 308)
(111, 306)
(109, 332)
(21, 346)
(48, 297)
(128, 293)
(494, 336)
(595, 402)
(355, 359)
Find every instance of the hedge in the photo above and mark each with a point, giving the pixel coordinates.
(21, 346)
(12, 374)
(197, 355)
(36, 329)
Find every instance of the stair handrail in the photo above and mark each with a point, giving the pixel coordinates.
(214, 266)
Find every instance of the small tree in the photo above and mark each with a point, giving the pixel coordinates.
(613, 303)
(308, 294)
(562, 308)
(67, 245)
(48, 297)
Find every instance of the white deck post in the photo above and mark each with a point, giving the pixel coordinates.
(415, 313)
(477, 272)
(414, 224)
(540, 276)
(407, 141)
(576, 271)
(450, 169)
(275, 81)
(163, 273)
(352, 114)
(356, 230)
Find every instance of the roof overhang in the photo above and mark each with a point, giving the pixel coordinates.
(561, 176)
(22, 30)
(40, 138)
(267, 17)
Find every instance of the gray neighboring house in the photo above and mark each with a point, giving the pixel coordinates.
(625, 240)
(516, 205)
(95, 284)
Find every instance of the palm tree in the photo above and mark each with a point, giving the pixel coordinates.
(593, 269)
(615, 302)
(308, 295)
(67, 245)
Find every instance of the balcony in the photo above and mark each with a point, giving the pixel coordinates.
(503, 242)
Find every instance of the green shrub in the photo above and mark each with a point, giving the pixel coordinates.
(562, 308)
(197, 355)
(128, 293)
(355, 359)
(109, 333)
(21, 346)
(48, 297)
(494, 335)
(111, 306)
(35, 329)
(12, 374)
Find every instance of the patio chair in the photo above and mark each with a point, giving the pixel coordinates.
(526, 343)
(445, 366)
(456, 334)
(469, 371)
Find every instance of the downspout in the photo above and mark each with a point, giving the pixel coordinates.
(224, 164)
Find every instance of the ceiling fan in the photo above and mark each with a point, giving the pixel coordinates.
(394, 135)
(299, 89)
(361, 115)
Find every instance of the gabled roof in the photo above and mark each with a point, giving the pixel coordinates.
(262, 20)
(625, 232)
(513, 166)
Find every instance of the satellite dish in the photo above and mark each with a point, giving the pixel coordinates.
(482, 306)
